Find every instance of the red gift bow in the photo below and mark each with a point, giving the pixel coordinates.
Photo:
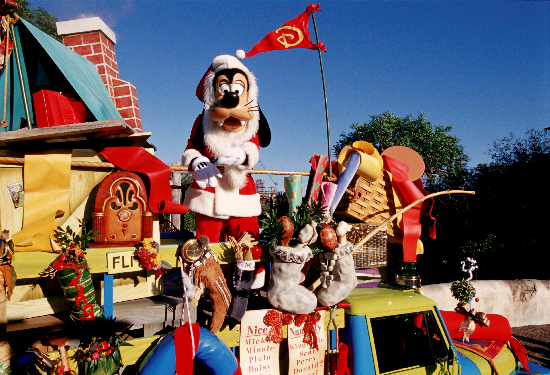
(309, 321)
(471, 318)
(275, 319)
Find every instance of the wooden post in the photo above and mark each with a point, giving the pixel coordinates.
(175, 219)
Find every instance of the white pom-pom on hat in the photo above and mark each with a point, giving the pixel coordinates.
(240, 54)
(227, 62)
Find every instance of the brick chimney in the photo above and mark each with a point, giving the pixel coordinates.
(93, 39)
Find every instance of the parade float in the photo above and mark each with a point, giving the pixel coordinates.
(85, 267)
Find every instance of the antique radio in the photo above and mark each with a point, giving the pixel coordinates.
(121, 216)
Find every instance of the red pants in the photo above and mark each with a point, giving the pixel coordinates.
(218, 230)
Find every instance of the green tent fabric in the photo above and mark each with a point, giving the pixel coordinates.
(12, 94)
(81, 74)
(41, 52)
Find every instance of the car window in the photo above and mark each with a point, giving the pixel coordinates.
(407, 340)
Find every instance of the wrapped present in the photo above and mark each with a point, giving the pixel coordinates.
(293, 189)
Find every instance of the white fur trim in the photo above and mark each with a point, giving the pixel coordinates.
(259, 280)
(201, 201)
(231, 203)
(189, 155)
(246, 265)
(217, 139)
(222, 203)
(227, 62)
(252, 153)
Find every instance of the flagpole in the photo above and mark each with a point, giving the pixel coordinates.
(325, 92)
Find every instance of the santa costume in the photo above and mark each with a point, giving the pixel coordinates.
(225, 202)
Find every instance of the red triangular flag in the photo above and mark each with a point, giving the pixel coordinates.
(293, 34)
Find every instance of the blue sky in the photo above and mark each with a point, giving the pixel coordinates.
(482, 67)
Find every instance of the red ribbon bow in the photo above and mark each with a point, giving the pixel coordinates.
(471, 318)
(309, 322)
(275, 319)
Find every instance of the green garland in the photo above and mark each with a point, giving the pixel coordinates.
(100, 356)
(463, 290)
(272, 232)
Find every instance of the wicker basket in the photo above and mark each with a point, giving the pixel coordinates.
(369, 202)
(374, 252)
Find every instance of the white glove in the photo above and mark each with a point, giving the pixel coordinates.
(204, 172)
(234, 155)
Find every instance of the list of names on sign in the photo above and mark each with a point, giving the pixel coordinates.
(258, 356)
(302, 359)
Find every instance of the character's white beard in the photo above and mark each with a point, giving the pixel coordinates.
(217, 139)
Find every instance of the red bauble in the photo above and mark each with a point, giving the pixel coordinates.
(256, 252)
(288, 230)
(328, 237)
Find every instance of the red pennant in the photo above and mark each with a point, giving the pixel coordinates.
(293, 34)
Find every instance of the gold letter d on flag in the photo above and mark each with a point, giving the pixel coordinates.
(292, 39)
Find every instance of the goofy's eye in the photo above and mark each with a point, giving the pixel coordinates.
(224, 87)
(238, 88)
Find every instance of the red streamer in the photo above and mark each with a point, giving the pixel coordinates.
(410, 191)
(136, 159)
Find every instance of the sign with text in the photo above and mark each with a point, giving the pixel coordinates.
(302, 359)
(122, 261)
(258, 356)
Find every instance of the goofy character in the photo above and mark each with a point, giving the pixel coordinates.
(228, 133)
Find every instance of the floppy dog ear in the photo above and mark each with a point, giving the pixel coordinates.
(197, 136)
(264, 133)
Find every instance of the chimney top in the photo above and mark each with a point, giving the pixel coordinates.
(85, 25)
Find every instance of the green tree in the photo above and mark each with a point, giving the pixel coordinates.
(38, 17)
(509, 208)
(442, 153)
(188, 219)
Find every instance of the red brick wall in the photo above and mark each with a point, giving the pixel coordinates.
(98, 49)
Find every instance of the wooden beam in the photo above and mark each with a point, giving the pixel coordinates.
(96, 129)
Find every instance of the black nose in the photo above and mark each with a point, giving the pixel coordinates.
(230, 99)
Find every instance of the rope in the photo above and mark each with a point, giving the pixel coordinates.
(394, 216)
(175, 168)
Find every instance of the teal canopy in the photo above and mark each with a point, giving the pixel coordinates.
(48, 64)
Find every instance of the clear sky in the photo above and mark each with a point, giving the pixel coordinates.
(482, 67)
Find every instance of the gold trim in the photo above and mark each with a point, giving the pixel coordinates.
(137, 193)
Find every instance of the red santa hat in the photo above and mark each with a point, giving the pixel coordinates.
(205, 87)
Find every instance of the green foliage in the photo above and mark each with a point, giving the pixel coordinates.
(512, 150)
(463, 290)
(305, 214)
(272, 232)
(500, 226)
(442, 153)
(511, 197)
(38, 17)
(66, 237)
(188, 219)
(478, 249)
